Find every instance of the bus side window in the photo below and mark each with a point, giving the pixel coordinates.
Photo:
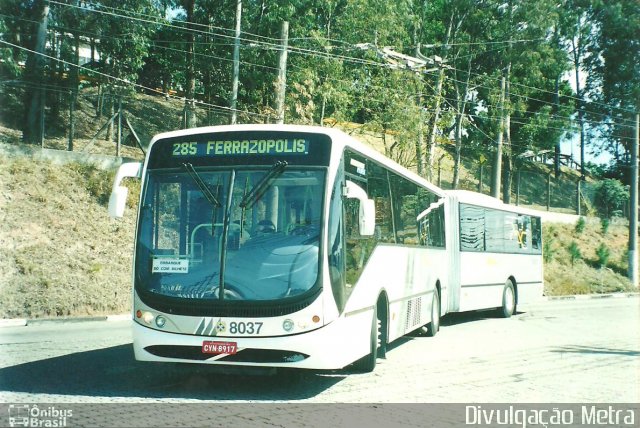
(436, 234)
(535, 235)
(405, 208)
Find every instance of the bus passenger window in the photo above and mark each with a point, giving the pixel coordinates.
(535, 234)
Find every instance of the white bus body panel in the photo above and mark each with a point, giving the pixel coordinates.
(406, 274)
(483, 275)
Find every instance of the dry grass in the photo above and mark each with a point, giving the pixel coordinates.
(584, 276)
(60, 254)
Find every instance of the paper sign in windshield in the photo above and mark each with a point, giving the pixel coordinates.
(165, 265)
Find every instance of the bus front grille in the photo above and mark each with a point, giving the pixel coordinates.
(247, 355)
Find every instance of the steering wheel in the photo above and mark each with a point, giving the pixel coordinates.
(230, 292)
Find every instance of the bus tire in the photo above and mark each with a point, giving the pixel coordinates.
(508, 307)
(434, 325)
(368, 363)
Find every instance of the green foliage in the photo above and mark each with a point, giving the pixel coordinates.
(574, 252)
(580, 225)
(603, 253)
(98, 182)
(611, 196)
(604, 225)
(548, 251)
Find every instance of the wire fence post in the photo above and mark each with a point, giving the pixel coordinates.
(119, 126)
(578, 207)
(43, 101)
(72, 107)
(549, 191)
(518, 187)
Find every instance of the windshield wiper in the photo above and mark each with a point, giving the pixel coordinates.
(259, 189)
(206, 191)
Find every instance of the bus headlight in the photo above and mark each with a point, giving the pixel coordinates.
(147, 317)
(160, 321)
(287, 325)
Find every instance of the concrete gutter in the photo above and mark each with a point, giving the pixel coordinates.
(62, 157)
(22, 322)
(593, 296)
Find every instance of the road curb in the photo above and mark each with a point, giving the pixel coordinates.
(17, 322)
(593, 296)
(23, 322)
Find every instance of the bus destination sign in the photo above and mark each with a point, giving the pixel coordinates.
(215, 148)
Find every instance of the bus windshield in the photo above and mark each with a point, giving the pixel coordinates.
(242, 234)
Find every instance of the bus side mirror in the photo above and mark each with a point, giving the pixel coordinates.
(118, 197)
(367, 213)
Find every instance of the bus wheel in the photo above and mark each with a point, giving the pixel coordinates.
(434, 324)
(508, 300)
(368, 363)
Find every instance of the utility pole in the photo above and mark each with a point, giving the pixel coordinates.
(420, 142)
(282, 73)
(556, 111)
(433, 126)
(497, 162)
(190, 119)
(236, 64)
(633, 215)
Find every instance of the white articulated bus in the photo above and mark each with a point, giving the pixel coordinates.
(294, 246)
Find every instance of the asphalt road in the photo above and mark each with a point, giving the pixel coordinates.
(578, 351)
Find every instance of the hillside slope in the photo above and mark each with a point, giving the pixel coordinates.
(60, 254)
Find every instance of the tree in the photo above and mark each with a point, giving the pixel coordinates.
(164, 64)
(611, 198)
(576, 28)
(614, 69)
(34, 73)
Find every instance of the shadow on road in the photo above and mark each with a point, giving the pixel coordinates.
(113, 372)
(594, 350)
(457, 318)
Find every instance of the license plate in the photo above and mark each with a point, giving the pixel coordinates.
(209, 347)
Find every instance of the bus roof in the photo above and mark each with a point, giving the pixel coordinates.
(480, 199)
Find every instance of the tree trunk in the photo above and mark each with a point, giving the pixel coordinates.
(496, 178)
(508, 176)
(73, 95)
(33, 130)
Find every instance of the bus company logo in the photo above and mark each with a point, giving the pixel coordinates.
(31, 415)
